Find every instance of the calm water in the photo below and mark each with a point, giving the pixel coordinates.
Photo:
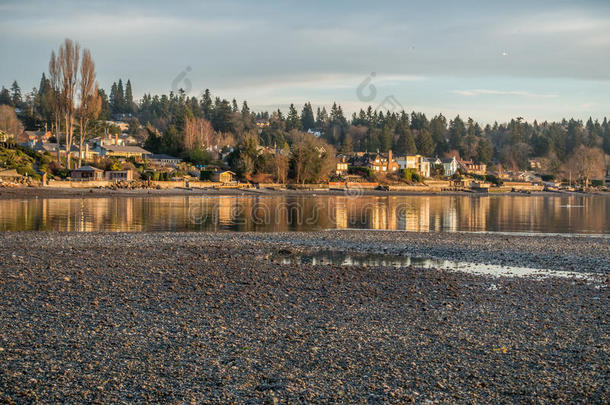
(547, 214)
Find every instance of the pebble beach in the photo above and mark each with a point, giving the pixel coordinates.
(217, 318)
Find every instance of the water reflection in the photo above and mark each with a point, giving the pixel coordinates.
(549, 214)
(379, 260)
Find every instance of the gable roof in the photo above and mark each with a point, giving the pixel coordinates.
(88, 169)
(127, 149)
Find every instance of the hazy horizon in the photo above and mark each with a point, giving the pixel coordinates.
(543, 60)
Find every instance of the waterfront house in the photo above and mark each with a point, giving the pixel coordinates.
(342, 165)
(87, 173)
(225, 176)
(473, 168)
(123, 151)
(382, 164)
(418, 162)
(119, 175)
(449, 164)
(163, 160)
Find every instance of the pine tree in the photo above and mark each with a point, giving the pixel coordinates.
(129, 104)
(16, 94)
(206, 104)
(405, 144)
(5, 96)
(307, 119)
(425, 143)
(292, 120)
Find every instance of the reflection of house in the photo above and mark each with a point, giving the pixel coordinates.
(223, 177)
(123, 151)
(417, 162)
(381, 164)
(163, 160)
(87, 173)
(119, 175)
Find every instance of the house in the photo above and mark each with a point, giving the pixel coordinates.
(9, 175)
(449, 164)
(5, 138)
(417, 162)
(381, 164)
(163, 160)
(342, 165)
(43, 147)
(36, 136)
(119, 175)
(87, 173)
(225, 176)
(123, 151)
(475, 168)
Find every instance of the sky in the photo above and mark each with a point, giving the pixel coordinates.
(489, 60)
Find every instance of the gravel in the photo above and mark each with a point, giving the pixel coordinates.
(213, 318)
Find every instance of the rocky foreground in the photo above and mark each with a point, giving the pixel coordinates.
(215, 318)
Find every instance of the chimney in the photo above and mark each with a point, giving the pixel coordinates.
(390, 160)
(116, 139)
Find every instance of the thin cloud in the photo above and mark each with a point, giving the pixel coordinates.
(488, 92)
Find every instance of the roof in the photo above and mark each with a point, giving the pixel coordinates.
(126, 149)
(226, 171)
(87, 169)
(162, 156)
(447, 160)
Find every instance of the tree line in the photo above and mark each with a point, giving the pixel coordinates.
(68, 99)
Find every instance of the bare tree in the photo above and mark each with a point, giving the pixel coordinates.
(56, 101)
(90, 101)
(586, 163)
(69, 57)
(9, 122)
(198, 133)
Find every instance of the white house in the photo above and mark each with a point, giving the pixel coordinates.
(449, 164)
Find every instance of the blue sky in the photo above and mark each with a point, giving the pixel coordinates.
(489, 60)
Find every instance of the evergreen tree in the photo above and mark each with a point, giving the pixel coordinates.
(456, 133)
(405, 144)
(129, 104)
(307, 118)
(245, 110)
(16, 95)
(222, 116)
(386, 138)
(206, 105)
(120, 97)
(292, 120)
(425, 143)
(5, 97)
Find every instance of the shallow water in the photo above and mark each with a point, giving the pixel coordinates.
(396, 261)
(556, 214)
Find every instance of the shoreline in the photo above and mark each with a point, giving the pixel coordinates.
(216, 318)
(61, 192)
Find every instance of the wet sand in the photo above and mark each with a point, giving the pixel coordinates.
(215, 318)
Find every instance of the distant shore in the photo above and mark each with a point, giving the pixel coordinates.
(57, 192)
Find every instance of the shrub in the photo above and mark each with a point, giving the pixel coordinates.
(411, 175)
(597, 183)
(206, 175)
